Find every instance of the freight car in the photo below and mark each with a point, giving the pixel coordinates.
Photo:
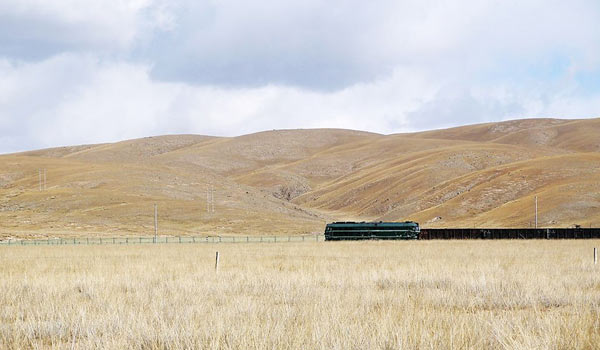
(371, 230)
(510, 233)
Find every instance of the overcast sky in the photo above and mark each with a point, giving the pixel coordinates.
(76, 71)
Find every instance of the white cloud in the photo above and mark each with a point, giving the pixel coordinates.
(37, 29)
(113, 101)
(335, 44)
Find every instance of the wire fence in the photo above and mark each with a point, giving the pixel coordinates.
(425, 234)
(162, 240)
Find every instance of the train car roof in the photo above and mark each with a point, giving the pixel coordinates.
(376, 223)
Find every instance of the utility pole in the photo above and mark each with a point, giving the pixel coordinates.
(44, 179)
(212, 199)
(155, 222)
(536, 213)
(40, 178)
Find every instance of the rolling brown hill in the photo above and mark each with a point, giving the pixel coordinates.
(294, 181)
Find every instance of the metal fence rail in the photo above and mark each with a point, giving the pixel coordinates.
(162, 240)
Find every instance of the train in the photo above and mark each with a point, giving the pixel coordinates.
(349, 230)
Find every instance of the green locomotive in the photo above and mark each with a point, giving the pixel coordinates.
(371, 230)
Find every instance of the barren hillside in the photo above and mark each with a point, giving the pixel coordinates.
(294, 181)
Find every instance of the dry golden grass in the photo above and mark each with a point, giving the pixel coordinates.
(342, 295)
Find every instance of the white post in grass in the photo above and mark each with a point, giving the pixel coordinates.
(217, 262)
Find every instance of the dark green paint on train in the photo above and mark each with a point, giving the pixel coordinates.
(371, 230)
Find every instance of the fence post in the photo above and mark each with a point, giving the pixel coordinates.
(217, 262)
(595, 256)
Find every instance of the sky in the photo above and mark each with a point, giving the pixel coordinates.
(80, 72)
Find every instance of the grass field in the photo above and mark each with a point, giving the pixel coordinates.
(343, 295)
